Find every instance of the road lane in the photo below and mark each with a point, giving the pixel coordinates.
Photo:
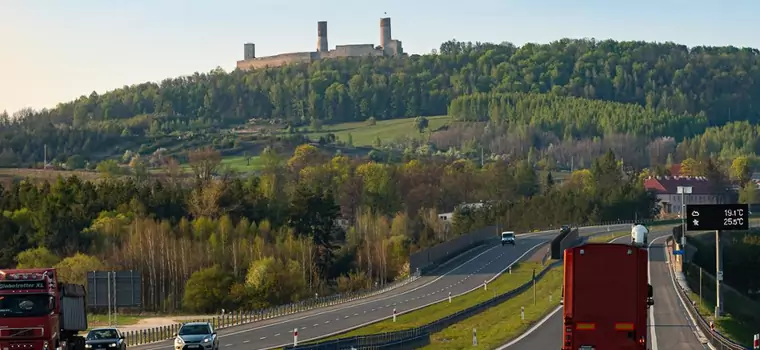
(671, 322)
(672, 329)
(337, 319)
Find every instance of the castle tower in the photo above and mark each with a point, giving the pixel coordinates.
(385, 32)
(322, 36)
(249, 51)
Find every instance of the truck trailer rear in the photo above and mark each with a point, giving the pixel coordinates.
(606, 295)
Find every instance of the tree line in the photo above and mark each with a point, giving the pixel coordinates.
(309, 223)
(713, 84)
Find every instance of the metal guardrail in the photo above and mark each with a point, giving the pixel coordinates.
(239, 317)
(717, 340)
(419, 336)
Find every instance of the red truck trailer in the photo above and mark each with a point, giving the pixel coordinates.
(606, 295)
(38, 313)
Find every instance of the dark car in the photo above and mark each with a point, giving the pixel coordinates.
(105, 338)
(564, 229)
(196, 336)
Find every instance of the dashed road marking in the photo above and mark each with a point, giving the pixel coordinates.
(277, 335)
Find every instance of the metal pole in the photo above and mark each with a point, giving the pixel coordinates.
(108, 283)
(534, 286)
(115, 309)
(700, 286)
(718, 275)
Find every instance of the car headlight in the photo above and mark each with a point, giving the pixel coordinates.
(179, 341)
(206, 340)
(88, 346)
(112, 345)
(45, 345)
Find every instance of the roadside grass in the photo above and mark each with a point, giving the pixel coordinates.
(99, 320)
(364, 134)
(521, 272)
(604, 238)
(727, 325)
(498, 325)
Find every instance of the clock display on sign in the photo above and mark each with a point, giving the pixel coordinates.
(708, 217)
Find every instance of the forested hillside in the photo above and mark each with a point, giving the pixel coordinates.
(274, 238)
(714, 85)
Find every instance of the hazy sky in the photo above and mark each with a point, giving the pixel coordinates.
(56, 50)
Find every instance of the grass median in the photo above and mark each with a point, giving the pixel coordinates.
(521, 273)
(500, 324)
(605, 238)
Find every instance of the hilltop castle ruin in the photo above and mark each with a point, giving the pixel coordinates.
(387, 47)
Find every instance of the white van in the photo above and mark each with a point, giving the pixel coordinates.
(507, 237)
(639, 235)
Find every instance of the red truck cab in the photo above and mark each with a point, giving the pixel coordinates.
(606, 295)
(38, 313)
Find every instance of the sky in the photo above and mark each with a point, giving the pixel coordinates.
(54, 51)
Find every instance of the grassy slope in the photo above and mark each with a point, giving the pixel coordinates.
(387, 130)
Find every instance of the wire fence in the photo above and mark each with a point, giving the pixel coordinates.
(717, 340)
(419, 336)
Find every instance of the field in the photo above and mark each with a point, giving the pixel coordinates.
(237, 164)
(364, 134)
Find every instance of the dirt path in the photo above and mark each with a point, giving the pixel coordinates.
(153, 322)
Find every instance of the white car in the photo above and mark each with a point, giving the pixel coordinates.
(507, 237)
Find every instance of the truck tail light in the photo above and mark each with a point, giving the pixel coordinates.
(583, 326)
(642, 340)
(623, 326)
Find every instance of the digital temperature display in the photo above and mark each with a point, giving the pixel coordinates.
(708, 217)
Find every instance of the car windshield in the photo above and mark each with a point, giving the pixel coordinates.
(24, 305)
(507, 235)
(101, 334)
(195, 329)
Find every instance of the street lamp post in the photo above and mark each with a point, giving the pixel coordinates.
(683, 190)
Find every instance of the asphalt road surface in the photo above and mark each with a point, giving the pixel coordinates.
(485, 264)
(672, 328)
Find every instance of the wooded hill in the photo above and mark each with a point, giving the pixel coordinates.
(679, 92)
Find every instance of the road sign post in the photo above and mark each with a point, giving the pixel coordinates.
(684, 190)
(394, 314)
(295, 337)
(756, 342)
(449, 297)
(485, 285)
(522, 313)
(474, 337)
(717, 217)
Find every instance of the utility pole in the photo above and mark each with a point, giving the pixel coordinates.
(44, 157)
(718, 275)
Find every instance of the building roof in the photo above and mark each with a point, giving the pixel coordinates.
(669, 184)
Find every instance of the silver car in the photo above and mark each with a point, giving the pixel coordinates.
(196, 336)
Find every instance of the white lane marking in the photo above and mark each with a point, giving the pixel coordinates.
(277, 335)
(246, 341)
(543, 320)
(652, 329)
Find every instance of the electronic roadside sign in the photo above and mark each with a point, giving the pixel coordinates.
(708, 217)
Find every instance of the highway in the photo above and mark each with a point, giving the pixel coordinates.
(672, 327)
(486, 264)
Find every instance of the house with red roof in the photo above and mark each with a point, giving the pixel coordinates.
(666, 190)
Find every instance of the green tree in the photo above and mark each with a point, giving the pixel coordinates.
(74, 268)
(206, 290)
(36, 258)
